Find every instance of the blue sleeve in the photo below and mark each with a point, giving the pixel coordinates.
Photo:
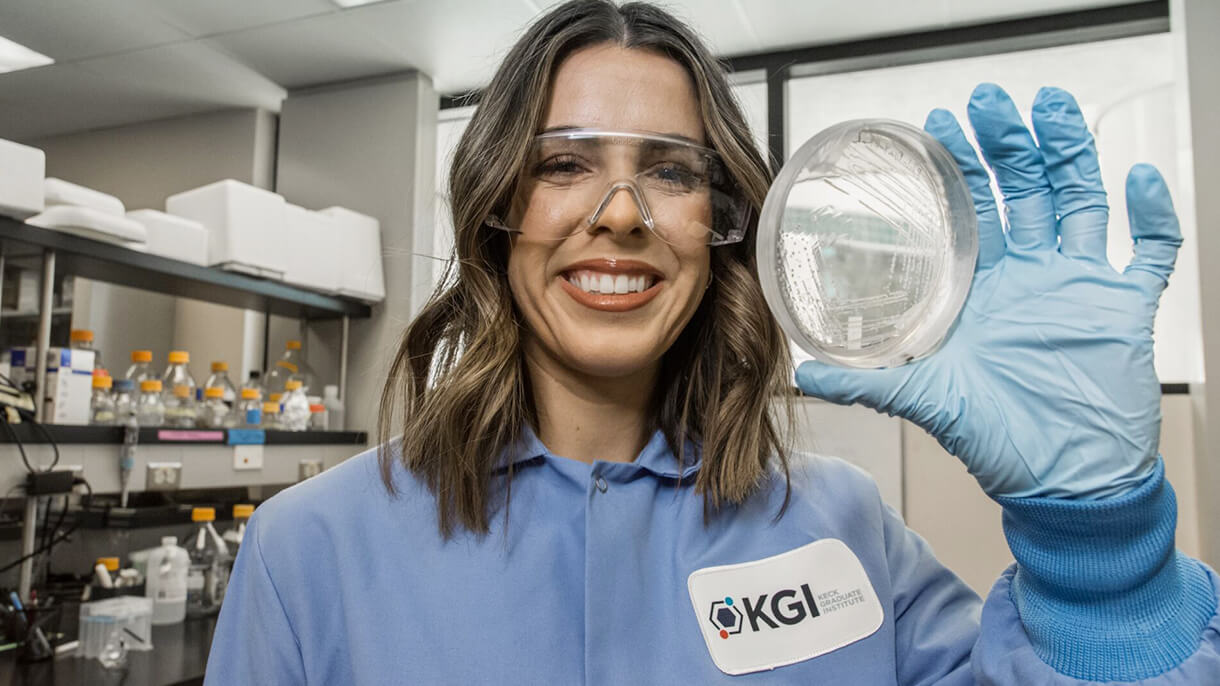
(253, 642)
(1099, 593)
(936, 615)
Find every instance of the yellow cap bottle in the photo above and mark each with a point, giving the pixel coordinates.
(219, 366)
(141, 356)
(213, 392)
(242, 511)
(179, 357)
(203, 514)
(150, 385)
(100, 381)
(249, 394)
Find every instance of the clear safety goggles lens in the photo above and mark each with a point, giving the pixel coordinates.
(574, 180)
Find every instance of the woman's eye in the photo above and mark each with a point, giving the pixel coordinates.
(676, 176)
(559, 167)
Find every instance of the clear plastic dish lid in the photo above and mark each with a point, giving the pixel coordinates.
(867, 243)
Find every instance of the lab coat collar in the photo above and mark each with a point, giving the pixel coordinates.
(656, 457)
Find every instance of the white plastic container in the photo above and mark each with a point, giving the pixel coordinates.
(313, 249)
(60, 192)
(174, 237)
(22, 169)
(245, 225)
(359, 268)
(165, 581)
(90, 223)
(130, 616)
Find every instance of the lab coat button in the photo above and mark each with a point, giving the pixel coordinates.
(601, 484)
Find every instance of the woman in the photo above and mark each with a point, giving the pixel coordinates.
(591, 486)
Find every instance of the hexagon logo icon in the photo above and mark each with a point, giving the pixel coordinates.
(726, 617)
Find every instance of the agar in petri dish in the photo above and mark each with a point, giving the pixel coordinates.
(867, 243)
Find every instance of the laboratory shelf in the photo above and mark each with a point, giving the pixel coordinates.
(206, 457)
(115, 264)
(68, 434)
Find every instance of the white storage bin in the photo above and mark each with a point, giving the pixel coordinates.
(313, 249)
(22, 169)
(173, 237)
(60, 192)
(245, 225)
(130, 616)
(359, 267)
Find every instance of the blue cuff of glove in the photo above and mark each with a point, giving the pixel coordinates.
(1099, 586)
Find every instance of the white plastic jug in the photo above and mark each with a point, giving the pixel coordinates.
(166, 581)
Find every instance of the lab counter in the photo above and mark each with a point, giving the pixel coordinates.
(178, 658)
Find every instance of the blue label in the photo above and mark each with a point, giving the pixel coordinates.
(247, 436)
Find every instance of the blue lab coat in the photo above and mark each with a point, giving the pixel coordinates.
(338, 582)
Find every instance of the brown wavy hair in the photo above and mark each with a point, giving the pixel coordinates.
(458, 388)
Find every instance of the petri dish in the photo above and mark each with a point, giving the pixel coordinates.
(867, 243)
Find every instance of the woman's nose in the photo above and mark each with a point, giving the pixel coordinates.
(622, 211)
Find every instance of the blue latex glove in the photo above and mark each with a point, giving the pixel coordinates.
(1045, 386)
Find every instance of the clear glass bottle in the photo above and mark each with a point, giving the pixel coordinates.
(141, 366)
(271, 416)
(180, 405)
(101, 406)
(125, 400)
(290, 366)
(295, 412)
(82, 339)
(150, 409)
(255, 381)
(220, 379)
(250, 409)
(215, 413)
(233, 537)
(206, 578)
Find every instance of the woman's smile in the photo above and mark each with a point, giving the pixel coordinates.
(610, 284)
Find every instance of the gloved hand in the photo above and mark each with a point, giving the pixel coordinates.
(1045, 386)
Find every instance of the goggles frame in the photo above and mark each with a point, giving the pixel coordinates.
(739, 224)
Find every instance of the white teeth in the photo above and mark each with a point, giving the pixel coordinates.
(618, 284)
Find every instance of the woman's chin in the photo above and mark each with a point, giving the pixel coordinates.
(611, 361)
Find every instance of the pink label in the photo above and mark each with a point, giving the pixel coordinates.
(188, 435)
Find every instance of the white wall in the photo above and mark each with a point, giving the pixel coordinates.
(1199, 22)
(369, 146)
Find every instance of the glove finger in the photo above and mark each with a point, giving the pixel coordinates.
(878, 389)
(944, 127)
(1154, 228)
(1070, 156)
(1019, 170)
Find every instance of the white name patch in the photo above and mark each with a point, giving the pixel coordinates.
(783, 609)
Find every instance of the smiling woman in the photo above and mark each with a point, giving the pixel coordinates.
(610, 147)
(600, 357)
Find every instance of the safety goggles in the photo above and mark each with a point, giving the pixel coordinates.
(682, 191)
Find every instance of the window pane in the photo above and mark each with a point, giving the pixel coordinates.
(1127, 91)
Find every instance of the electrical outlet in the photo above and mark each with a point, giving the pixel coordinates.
(247, 457)
(308, 468)
(163, 476)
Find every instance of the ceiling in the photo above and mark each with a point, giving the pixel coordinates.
(123, 61)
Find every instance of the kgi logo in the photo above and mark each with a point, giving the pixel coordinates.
(786, 608)
(726, 617)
